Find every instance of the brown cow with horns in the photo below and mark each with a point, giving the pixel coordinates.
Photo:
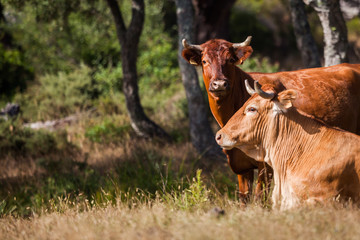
(311, 161)
(331, 94)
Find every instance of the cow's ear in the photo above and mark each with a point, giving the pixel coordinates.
(192, 56)
(286, 97)
(243, 53)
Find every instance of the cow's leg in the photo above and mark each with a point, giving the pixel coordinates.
(244, 167)
(265, 174)
(245, 185)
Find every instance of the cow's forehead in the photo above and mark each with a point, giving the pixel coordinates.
(216, 47)
(256, 99)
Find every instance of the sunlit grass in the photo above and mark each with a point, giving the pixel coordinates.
(148, 218)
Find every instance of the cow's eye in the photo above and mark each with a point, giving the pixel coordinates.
(232, 60)
(203, 61)
(251, 109)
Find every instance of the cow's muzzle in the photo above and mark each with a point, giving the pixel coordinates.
(219, 86)
(224, 141)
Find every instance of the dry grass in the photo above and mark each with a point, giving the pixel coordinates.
(161, 221)
(174, 213)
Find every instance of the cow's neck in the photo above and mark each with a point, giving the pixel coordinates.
(285, 142)
(224, 108)
(296, 134)
(289, 141)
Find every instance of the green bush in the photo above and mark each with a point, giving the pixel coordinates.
(107, 132)
(109, 79)
(256, 64)
(56, 96)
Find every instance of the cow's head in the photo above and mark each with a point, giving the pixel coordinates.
(248, 126)
(218, 59)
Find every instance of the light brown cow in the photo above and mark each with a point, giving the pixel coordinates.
(312, 162)
(331, 94)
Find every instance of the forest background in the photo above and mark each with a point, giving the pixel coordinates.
(62, 60)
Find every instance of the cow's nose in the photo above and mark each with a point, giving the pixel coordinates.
(218, 138)
(219, 85)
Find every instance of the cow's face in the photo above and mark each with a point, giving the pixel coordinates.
(245, 125)
(218, 59)
(248, 127)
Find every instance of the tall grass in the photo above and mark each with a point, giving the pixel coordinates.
(149, 218)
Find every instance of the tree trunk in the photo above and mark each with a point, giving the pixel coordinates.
(334, 28)
(129, 41)
(304, 39)
(212, 19)
(5, 37)
(350, 8)
(201, 134)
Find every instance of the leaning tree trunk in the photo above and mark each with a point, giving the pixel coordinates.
(334, 28)
(201, 134)
(212, 19)
(304, 39)
(129, 41)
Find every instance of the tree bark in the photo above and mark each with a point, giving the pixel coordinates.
(334, 28)
(212, 19)
(304, 39)
(201, 134)
(5, 37)
(350, 8)
(129, 41)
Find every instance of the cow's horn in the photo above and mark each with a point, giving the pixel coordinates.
(249, 89)
(262, 93)
(244, 43)
(190, 46)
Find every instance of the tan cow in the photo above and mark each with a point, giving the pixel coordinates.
(312, 162)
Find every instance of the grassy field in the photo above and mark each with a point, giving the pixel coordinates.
(147, 190)
(159, 220)
(95, 179)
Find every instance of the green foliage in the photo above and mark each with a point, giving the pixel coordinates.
(159, 76)
(56, 96)
(158, 70)
(93, 35)
(59, 35)
(197, 193)
(109, 79)
(107, 132)
(256, 64)
(158, 67)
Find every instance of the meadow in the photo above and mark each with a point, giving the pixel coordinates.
(93, 177)
(143, 189)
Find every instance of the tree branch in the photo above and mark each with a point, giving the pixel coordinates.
(119, 22)
(137, 21)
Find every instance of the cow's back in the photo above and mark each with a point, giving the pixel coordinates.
(331, 94)
(331, 169)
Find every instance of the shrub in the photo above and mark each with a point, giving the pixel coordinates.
(56, 96)
(256, 64)
(107, 132)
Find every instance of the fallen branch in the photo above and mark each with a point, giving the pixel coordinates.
(53, 125)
